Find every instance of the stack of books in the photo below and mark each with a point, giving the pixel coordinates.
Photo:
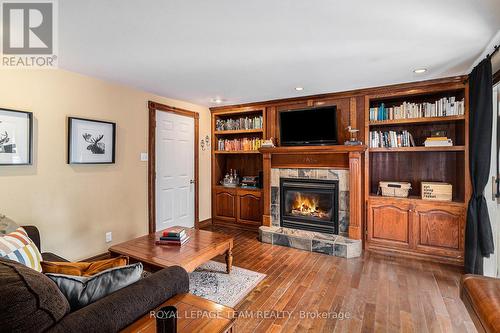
(173, 236)
(438, 141)
(239, 124)
(391, 139)
(440, 108)
(245, 144)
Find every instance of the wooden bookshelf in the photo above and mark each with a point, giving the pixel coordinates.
(248, 131)
(413, 226)
(416, 149)
(415, 199)
(236, 206)
(236, 152)
(429, 120)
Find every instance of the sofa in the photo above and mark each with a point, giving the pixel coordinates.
(31, 302)
(481, 297)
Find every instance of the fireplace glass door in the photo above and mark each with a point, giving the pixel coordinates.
(309, 204)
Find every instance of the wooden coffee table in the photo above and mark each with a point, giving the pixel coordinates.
(195, 314)
(202, 246)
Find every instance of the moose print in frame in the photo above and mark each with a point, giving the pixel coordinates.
(91, 141)
(16, 136)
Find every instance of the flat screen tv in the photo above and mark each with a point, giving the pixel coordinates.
(309, 127)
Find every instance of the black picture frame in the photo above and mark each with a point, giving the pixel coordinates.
(71, 148)
(30, 137)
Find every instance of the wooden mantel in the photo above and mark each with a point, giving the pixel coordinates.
(339, 156)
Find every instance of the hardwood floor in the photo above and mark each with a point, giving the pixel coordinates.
(378, 293)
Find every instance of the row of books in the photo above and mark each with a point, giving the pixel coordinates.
(391, 139)
(245, 144)
(239, 124)
(440, 141)
(441, 108)
(173, 236)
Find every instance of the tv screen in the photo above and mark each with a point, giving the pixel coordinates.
(316, 126)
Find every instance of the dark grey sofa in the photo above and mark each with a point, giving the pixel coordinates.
(30, 302)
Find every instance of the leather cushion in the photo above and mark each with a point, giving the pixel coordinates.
(81, 291)
(484, 295)
(29, 301)
(83, 268)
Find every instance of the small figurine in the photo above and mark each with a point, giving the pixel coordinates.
(353, 137)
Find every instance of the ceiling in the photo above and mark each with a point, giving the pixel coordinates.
(246, 51)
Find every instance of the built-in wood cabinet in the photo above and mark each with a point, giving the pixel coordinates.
(389, 223)
(439, 229)
(238, 207)
(249, 207)
(225, 204)
(407, 226)
(411, 226)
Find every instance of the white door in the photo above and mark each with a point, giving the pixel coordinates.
(174, 170)
(492, 264)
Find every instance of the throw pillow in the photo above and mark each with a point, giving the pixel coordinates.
(7, 225)
(29, 301)
(83, 268)
(81, 291)
(19, 247)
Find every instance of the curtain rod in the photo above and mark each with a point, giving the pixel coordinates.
(496, 48)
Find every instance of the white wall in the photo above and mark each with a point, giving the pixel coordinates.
(75, 205)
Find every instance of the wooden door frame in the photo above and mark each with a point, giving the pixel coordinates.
(153, 107)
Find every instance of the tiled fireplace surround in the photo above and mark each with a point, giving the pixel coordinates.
(337, 245)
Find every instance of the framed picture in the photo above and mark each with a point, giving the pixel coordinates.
(91, 141)
(16, 137)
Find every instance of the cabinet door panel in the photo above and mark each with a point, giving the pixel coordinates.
(249, 208)
(389, 224)
(440, 230)
(225, 205)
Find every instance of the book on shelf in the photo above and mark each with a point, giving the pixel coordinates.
(438, 142)
(243, 123)
(391, 139)
(440, 108)
(244, 144)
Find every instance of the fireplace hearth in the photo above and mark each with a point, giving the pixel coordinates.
(310, 204)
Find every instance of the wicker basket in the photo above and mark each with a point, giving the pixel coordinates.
(394, 189)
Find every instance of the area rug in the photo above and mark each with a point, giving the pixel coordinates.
(210, 281)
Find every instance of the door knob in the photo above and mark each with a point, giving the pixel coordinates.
(192, 181)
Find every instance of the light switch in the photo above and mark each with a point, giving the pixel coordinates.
(144, 157)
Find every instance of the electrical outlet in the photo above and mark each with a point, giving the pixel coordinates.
(144, 157)
(109, 236)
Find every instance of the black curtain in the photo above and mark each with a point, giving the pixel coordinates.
(478, 235)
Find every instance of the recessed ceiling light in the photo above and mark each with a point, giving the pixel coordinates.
(217, 100)
(420, 70)
(299, 88)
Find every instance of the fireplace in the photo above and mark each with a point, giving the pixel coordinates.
(309, 204)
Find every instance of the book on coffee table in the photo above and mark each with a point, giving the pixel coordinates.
(174, 232)
(171, 242)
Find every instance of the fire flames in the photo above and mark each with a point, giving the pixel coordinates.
(308, 205)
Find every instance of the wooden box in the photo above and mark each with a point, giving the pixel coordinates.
(436, 191)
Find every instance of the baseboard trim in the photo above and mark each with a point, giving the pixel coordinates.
(101, 256)
(204, 223)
